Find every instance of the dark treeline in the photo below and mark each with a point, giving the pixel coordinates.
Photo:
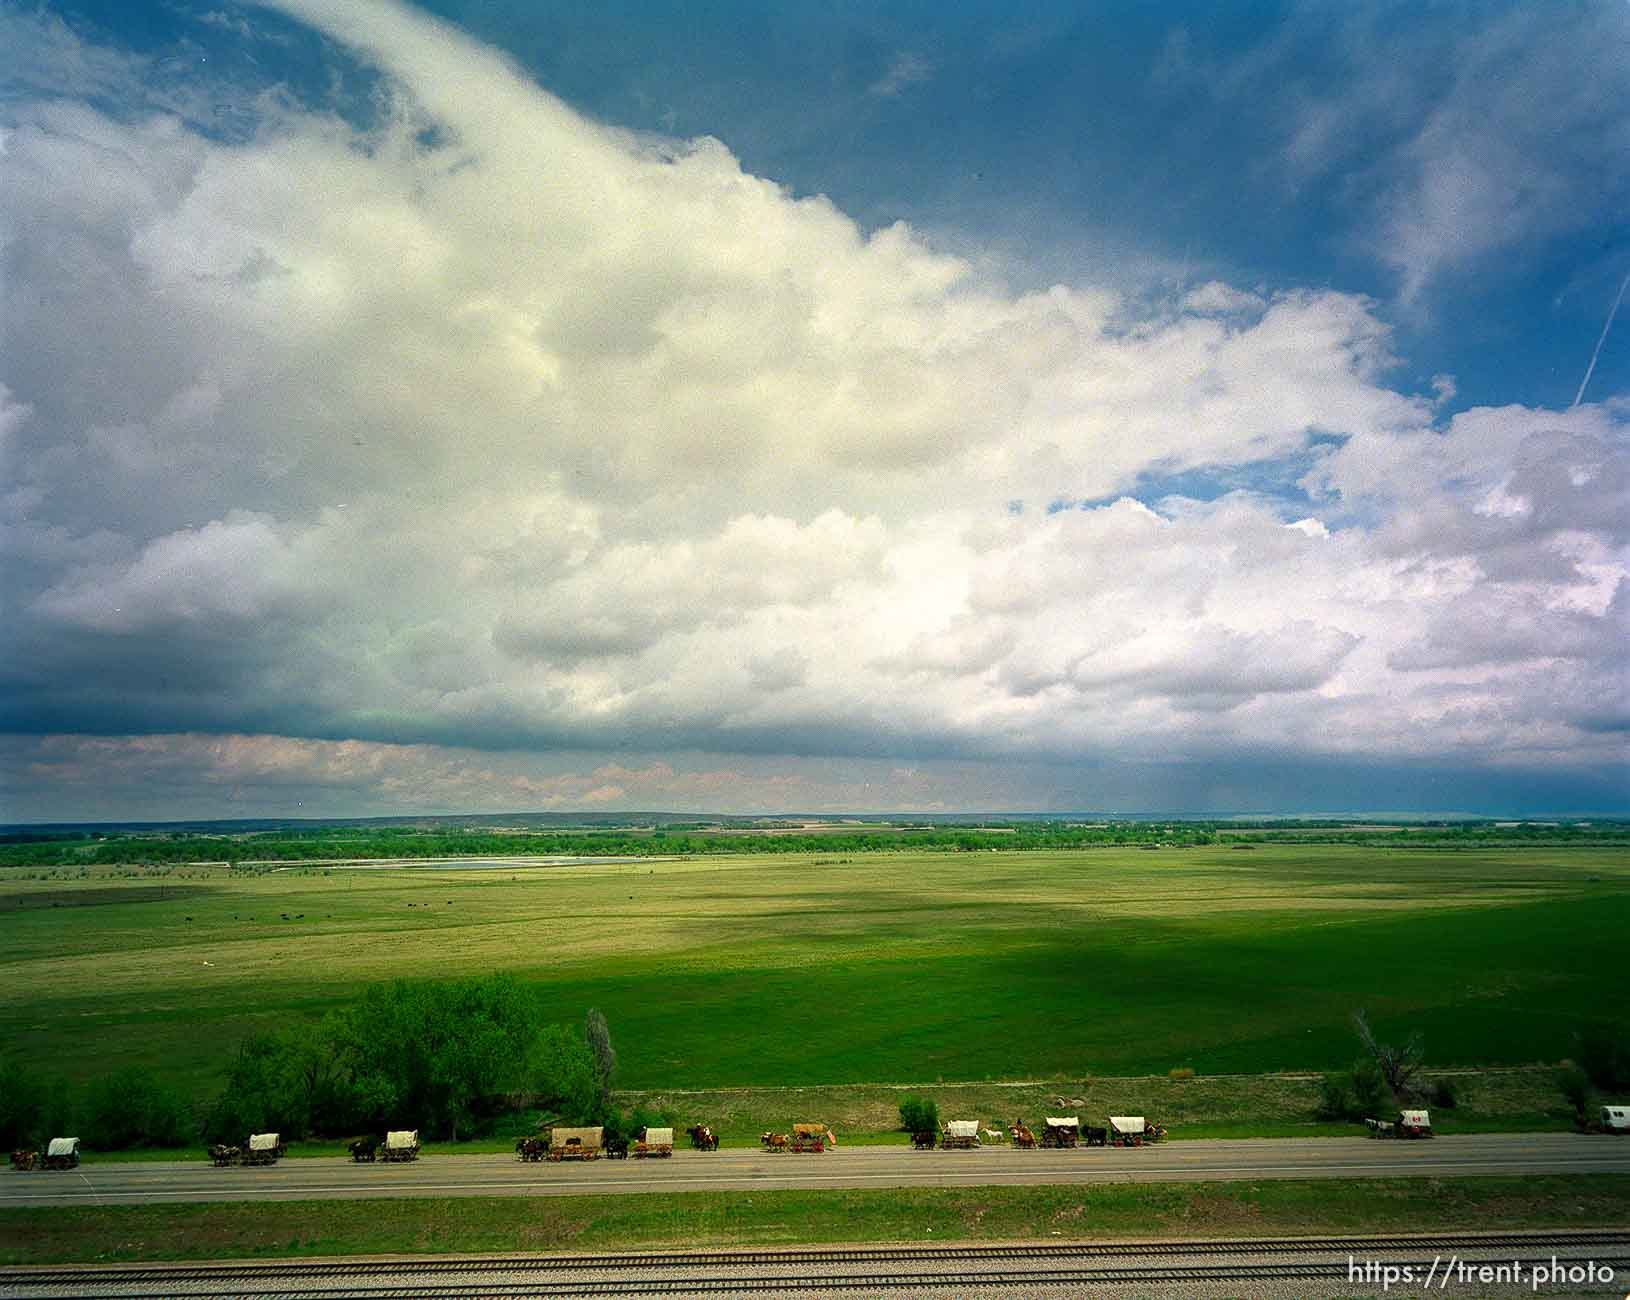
(451, 1058)
(113, 848)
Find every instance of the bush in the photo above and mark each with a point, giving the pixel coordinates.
(1361, 1093)
(919, 1115)
(1444, 1095)
(1371, 1095)
(135, 1108)
(1604, 1053)
(1576, 1087)
(1335, 1097)
(1181, 1072)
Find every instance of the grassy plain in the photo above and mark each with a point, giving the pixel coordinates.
(928, 1214)
(885, 967)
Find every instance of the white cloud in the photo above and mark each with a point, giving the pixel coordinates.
(536, 434)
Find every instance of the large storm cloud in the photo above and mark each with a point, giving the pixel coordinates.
(349, 451)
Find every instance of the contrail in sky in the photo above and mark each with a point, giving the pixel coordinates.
(1591, 368)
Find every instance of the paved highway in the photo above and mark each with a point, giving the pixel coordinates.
(161, 1182)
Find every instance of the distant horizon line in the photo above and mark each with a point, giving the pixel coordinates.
(825, 818)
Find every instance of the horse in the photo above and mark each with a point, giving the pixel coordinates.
(1095, 1137)
(1022, 1137)
(773, 1141)
(24, 1159)
(221, 1155)
(531, 1148)
(703, 1138)
(364, 1150)
(615, 1146)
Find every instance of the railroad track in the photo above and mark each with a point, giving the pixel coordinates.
(1077, 1264)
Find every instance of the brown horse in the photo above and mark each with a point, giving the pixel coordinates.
(1021, 1136)
(703, 1138)
(773, 1141)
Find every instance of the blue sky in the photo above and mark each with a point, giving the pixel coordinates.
(1127, 407)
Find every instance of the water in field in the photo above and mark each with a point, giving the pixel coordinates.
(466, 864)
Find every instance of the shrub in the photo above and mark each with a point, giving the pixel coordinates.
(1604, 1052)
(1361, 1093)
(1444, 1095)
(1371, 1095)
(1335, 1097)
(919, 1115)
(1181, 1072)
(1576, 1087)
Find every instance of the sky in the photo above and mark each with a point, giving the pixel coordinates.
(504, 405)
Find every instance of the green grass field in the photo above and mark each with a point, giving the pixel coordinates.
(687, 1219)
(886, 967)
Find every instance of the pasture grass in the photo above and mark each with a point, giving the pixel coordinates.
(796, 971)
(474, 1225)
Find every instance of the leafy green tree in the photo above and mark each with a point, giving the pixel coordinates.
(562, 1077)
(919, 1115)
(135, 1108)
(33, 1108)
(598, 1036)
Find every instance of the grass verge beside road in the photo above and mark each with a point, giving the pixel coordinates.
(691, 1220)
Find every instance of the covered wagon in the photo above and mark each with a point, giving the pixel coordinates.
(1414, 1124)
(62, 1153)
(812, 1137)
(1616, 1119)
(960, 1135)
(657, 1142)
(576, 1143)
(1128, 1130)
(263, 1149)
(1061, 1131)
(401, 1144)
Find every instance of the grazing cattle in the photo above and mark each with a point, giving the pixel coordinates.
(24, 1160)
(703, 1138)
(1096, 1137)
(364, 1150)
(773, 1141)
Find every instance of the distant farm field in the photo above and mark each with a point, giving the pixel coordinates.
(881, 967)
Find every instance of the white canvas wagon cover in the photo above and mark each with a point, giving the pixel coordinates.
(263, 1141)
(1416, 1119)
(402, 1138)
(1130, 1124)
(1067, 1121)
(658, 1137)
(962, 1128)
(1616, 1116)
(586, 1137)
(62, 1147)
